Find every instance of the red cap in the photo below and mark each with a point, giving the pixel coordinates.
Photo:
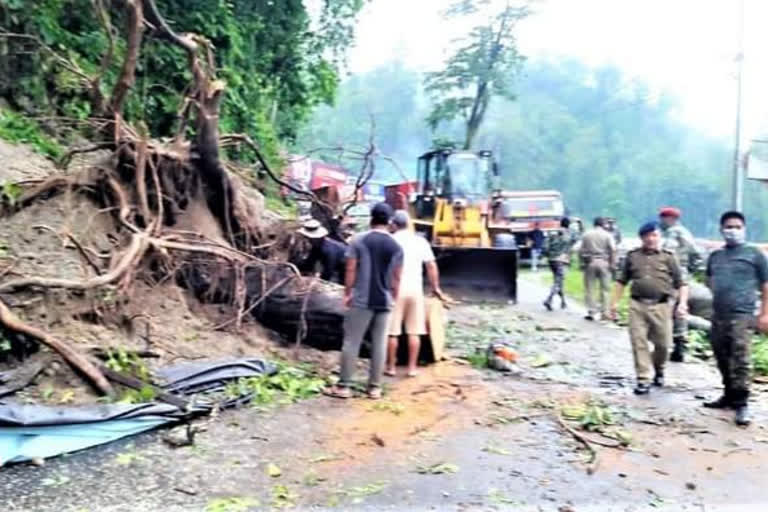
(669, 211)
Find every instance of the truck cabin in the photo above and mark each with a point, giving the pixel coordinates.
(520, 212)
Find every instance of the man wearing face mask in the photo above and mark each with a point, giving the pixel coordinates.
(676, 238)
(735, 273)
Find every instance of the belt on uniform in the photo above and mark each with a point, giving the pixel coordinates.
(651, 301)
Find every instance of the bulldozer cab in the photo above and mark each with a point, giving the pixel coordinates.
(456, 174)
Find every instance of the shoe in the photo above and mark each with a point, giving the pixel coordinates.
(642, 388)
(390, 373)
(721, 403)
(374, 393)
(677, 354)
(658, 380)
(338, 392)
(743, 418)
(548, 305)
(589, 317)
(563, 305)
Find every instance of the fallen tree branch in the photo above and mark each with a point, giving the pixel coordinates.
(586, 442)
(12, 322)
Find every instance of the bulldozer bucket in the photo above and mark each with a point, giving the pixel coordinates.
(478, 274)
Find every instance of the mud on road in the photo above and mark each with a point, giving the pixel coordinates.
(454, 438)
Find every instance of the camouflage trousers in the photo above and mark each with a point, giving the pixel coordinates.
(558, 278)
(649, 324)
(731, 340)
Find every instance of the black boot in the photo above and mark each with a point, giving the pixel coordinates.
(677, 355)
(743, 418)
(658, 380)
(548, 304)
(563, 304)
(724, 402)
(642, 388)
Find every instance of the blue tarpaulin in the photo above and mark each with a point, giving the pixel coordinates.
(41, 431)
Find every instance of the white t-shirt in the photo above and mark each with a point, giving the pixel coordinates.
(416, 252)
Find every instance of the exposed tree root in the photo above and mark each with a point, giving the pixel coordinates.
(69, 354)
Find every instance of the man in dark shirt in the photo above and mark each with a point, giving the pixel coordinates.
(537, 245)
(371, 284)
(735, 273)
(655, 277)
(330, 253)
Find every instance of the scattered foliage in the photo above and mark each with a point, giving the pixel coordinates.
(231, 504)
(290, 384)
(437, 469)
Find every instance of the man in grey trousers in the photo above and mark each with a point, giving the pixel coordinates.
(372, 279)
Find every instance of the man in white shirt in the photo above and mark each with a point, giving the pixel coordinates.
(410, 308)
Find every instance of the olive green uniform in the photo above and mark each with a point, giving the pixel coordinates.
(597, 253)
(558, 250)
(735, 274)
(655, 277)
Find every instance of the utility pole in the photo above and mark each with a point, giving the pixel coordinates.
(737, 185)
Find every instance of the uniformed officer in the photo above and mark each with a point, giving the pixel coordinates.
(558, 250)
(655, 277)
(597, 256)
(676, 238)
(735, 274)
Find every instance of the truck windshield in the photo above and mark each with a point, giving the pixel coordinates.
(467, 175)
(531, 207)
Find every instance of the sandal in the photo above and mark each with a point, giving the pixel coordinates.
(413, 373)
(338, 392)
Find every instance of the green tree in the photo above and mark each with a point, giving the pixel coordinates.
(483, 66)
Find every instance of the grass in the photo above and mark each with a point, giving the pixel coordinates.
(19, 129)
(574, 288)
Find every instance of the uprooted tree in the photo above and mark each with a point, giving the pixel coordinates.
(156, 189)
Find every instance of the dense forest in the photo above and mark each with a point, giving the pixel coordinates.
(607, 142)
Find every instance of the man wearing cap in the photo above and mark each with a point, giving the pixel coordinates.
(410, 310)
(371, 284)
(597, 255)
(676, 238)
(735, 273)
(330, 253)
(656, 277)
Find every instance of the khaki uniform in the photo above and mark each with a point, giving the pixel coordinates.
(597, 254)
(655, 278)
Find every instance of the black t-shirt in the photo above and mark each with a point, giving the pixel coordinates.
(735, 275)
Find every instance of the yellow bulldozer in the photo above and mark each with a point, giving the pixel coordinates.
(452, 204)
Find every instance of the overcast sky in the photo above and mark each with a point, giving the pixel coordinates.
(686, 47)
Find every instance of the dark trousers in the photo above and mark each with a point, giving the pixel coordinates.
(731, 340)
(558, 278)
